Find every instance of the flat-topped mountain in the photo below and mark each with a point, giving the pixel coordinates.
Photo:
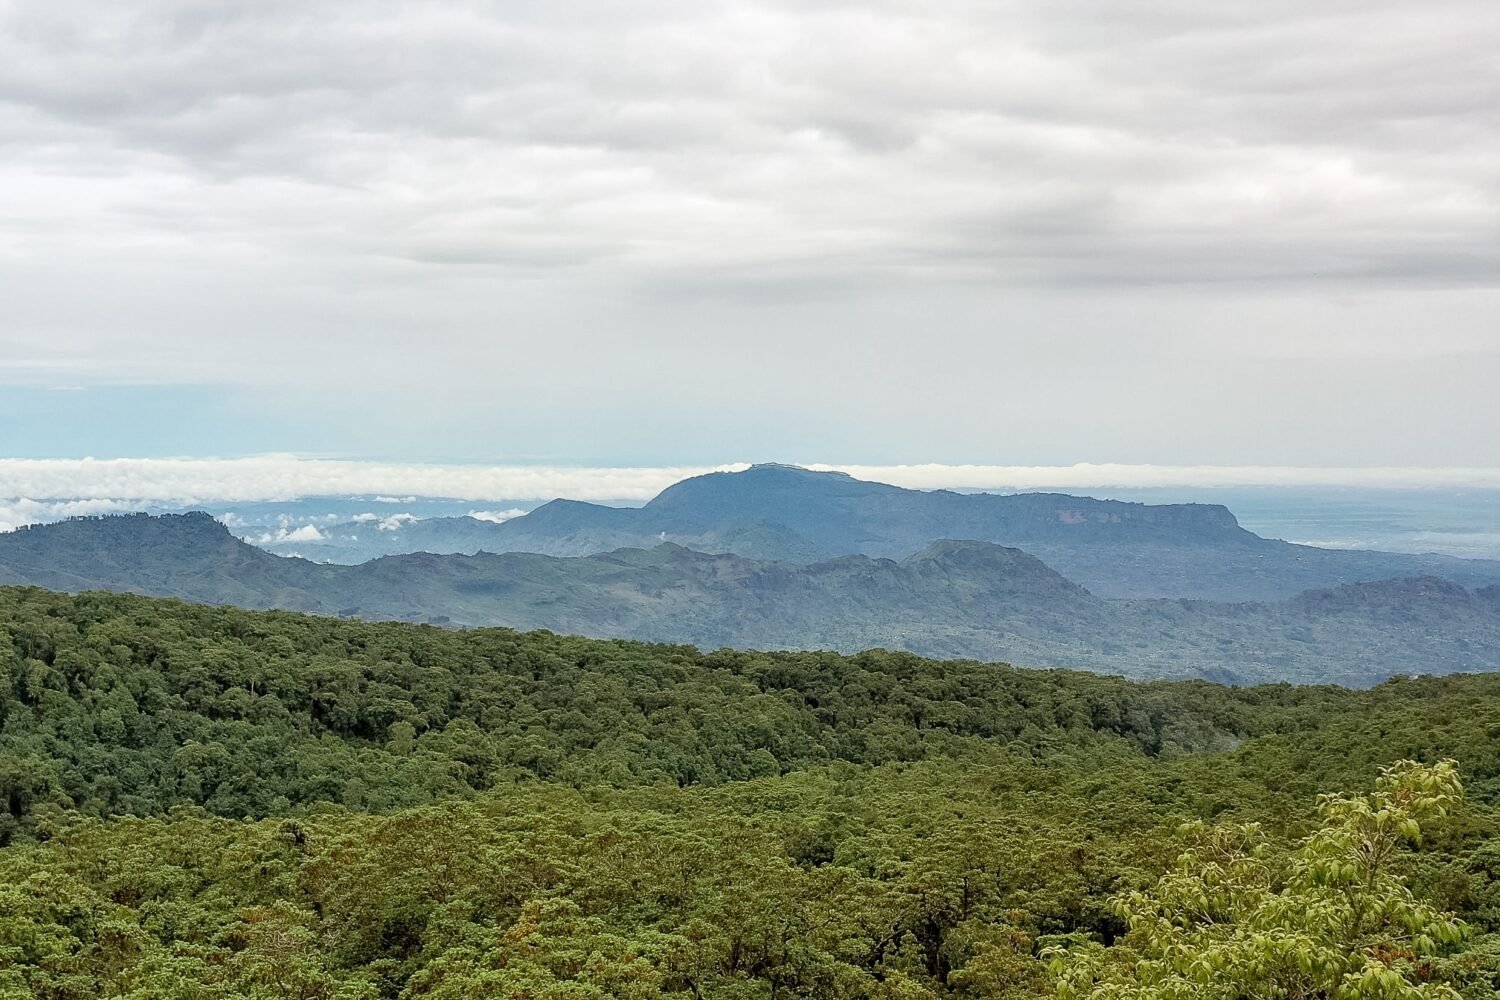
(952, 598)
(838, 514)
(822, 504)
(789, 514)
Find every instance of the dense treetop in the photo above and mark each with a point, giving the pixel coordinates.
(120, 704)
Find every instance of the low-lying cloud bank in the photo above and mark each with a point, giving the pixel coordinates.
(285, 477)
(46, 489)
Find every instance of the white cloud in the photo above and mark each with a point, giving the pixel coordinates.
(395, 521)
(496, 516)
(284, 534)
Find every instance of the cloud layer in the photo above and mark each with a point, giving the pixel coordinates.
(186, 481)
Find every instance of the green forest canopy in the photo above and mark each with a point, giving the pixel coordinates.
(206, 802)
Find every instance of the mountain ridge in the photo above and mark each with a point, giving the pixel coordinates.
(785, 513)
(966, 598)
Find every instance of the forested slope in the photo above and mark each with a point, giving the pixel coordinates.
(209, 802)
(115, 703)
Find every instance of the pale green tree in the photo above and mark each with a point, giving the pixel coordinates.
(1332, 919)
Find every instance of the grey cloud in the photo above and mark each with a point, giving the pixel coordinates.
(1075, 141)
(952, 230)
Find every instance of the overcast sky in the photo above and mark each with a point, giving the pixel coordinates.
(1261, 232)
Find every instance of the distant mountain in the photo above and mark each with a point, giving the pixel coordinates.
(837, 514)
(780, 512)
(952, 598)
(170, 555)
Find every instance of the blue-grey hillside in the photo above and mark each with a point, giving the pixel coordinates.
(788, 514)
(952, 598)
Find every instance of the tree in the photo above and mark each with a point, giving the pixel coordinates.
(1331, 919)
